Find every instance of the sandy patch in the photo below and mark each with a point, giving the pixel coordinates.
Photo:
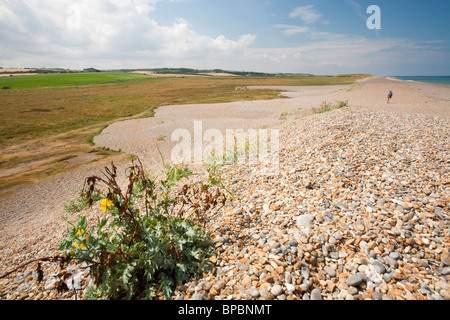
(143, 137)
(219, 74)
(10, 70)
(207, 74)
(4, 75)
(174, 75)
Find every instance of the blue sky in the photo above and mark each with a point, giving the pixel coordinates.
(305, 36)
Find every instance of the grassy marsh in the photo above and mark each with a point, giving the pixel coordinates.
(48, 120)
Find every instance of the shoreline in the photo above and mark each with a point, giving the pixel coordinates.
(418, 80)
(31, 220)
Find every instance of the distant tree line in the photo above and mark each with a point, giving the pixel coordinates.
(46, 71)
(40, 71)
(189, 71)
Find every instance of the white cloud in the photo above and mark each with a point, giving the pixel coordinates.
(122, 34)
(291, 30)
(329, 53)
(307, 14)
(74, 33)
(358, 10)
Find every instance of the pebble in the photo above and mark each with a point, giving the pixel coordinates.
(355, 280)
(316, 294)
(379, 267)
(366, 217)
(446, 271)
(276, 290)
(304, 221)
(290, 288)
(254, 292)
(330, 271)
(377, 296)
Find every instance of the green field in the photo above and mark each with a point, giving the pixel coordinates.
(70, 79)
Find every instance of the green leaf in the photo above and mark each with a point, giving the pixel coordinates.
(166, 285)
(190, 233)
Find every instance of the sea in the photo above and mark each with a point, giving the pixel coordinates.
(429, 79)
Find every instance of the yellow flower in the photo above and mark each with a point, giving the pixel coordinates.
(106, 205)
(82, 246)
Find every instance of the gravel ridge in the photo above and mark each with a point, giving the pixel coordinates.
(359, 209)
(374, 187)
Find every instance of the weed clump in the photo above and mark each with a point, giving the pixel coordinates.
(82, 202)
(326, 106)
(283, 116)
(136, 251)
(143, 255)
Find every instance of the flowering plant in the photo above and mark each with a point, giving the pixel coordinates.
(143, 255)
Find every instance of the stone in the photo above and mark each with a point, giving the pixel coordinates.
(330, 271)
(264, 293)
(304, 221)
(362, 268)
(213, 291)
(237, 211)
(421, 262)
(254, 292)
(337, 235)
(392, 262)
(316, 294)
(197, 296)
(379, 267)
(219, 285)
(377, 296)
(445, 258)
(445, 294)
(273, 245)
(445, 271)
(290, 287)
(305, 273)
(395, 255)
(246, 282)
(276, 290)
(355, 280)
(51, 284)
(387, 277)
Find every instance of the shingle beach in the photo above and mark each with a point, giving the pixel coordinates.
(358, 208)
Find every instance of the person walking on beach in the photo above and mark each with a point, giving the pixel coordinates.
(390, 94)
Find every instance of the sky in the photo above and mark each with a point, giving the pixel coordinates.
(323, 37)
